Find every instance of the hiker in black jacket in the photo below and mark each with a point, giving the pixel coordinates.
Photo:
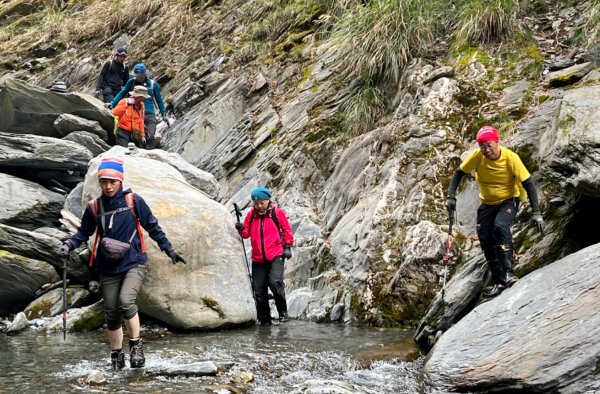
(113, 76)
(118, 216)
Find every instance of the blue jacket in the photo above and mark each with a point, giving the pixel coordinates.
(153, 92)
(124, 224)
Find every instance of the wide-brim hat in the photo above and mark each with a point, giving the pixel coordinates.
(59, 86)
(139, 91)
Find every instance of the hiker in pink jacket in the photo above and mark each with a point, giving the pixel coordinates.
(271, 238)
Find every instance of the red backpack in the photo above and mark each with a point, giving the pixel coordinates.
(95, 209)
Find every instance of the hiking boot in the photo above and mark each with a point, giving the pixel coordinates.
(284, 317)
(266, 323)
(494, 291)
(511, 279)
(136, 354)
(117, 358)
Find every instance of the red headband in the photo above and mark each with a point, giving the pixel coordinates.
(487, 133)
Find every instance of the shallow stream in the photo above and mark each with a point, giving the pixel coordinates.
(277, 359)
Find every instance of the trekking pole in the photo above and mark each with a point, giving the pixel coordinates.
(448, 247)
(64, 304)
(238, 215)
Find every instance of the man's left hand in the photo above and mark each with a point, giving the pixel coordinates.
(538, 221)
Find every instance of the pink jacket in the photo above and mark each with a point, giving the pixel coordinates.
(264, 235)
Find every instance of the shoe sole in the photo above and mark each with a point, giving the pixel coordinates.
(138, 365)
(512, 281)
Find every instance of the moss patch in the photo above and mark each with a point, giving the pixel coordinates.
(41, 309)
(214, 305)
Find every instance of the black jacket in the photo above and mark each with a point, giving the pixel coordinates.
(113, 75)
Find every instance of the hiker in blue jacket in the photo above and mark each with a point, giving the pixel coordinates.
(119, 215)
(141, 78)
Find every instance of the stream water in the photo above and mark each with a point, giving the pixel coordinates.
(277, 359)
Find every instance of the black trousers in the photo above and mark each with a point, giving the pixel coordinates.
(267, 276)
(493, 226)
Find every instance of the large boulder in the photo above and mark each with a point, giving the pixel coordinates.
(29, 109)
(90, 141)
(542, 335)
(26, 204)
(212, 290)
(20, 278)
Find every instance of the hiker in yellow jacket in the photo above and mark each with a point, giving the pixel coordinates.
(130, 114)
(502, 180)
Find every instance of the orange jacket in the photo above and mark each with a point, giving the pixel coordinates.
(126, 112)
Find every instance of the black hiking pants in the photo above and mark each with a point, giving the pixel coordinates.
(267, 276)
(493, 230)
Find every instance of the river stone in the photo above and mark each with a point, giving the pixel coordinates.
(87, 318)
(542, 334)
(322, 386)
(19, 323)
(67, 123)
(50, 304)
(20, 278)
(42, 247)
(26, 204)
(202, 368)
(29, 109)
(212, 290)
(90, 141)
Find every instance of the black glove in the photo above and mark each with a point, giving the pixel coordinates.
(287, 252)
(64, 250)
(451, 204)
(538, 221)
(175, 258)
(239, 227)
(164, 116)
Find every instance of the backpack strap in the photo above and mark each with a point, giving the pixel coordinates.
(129, 198)
(274, 218)
(94, 208)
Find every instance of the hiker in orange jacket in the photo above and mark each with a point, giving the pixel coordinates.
(130, 112)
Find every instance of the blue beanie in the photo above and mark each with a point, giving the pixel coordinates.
(140, 69)
(261, 193)
(111, 168)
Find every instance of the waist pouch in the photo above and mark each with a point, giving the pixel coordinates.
(113, 251)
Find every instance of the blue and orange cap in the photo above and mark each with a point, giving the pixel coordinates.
(111, 168)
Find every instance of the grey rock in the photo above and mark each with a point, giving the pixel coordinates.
(542, 334)
(87, 318)
(51, 304)
(513, 96)
(322, 386)
(42, 158)
(42, 247)
(19, 323)
(201, 180)
(461, 291)
(27, 204)
(568, 76)
(442, 72)
(90, 141)
(67, 123)
(20, 278)
(73, 201)
(202, 368)
(30, 109)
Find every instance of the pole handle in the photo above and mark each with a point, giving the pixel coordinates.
(238, 211)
